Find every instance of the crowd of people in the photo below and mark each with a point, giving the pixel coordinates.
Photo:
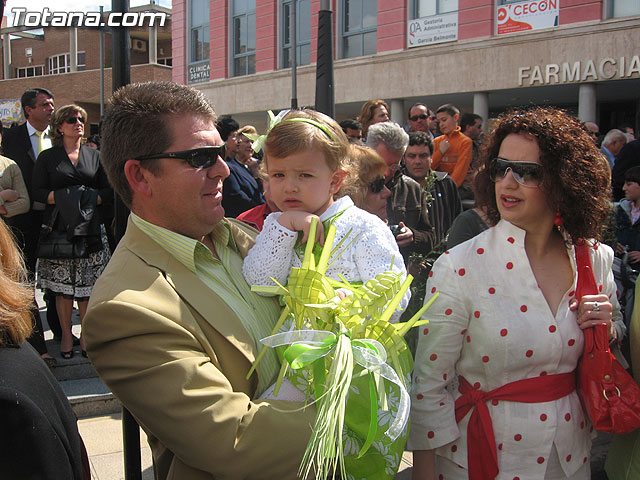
(488, 220)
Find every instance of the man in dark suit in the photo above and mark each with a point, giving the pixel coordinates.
(22, 144)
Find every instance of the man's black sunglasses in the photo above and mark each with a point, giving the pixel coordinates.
(377, 185)
(203, 157)
(416, 117)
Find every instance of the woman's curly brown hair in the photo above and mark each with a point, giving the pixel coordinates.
(577, 180)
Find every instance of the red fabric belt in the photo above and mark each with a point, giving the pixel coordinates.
(482, 456)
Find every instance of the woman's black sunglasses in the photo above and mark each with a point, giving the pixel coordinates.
(74, 120)
(377, 185)
(203, 157)
(527, 174)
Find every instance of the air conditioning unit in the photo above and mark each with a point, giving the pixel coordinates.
(138, 45)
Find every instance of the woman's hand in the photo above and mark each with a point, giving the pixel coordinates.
(594, 310)
(301, 222)
(9, 195)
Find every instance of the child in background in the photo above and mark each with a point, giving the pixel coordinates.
(304, 156)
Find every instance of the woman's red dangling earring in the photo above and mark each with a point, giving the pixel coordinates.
(558, 221)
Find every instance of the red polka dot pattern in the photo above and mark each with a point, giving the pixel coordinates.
(571, 342)
(444, 377)
(517, 437)
(503, 332)
(419, 396)
(485, 359)
(431, 434)
(568, 458)
(540, 460)
(543, 373)
(468, 339)
(567, 417)
(494, 402)
(543, 417)
(584, 460)
(463, 331)
(461, 272)
(476, 385)
(552, 328)
(433, 357)
(509, 266)
(433, 290)
(480, 251)
(523, 308)
(529, 353)
(425, 331)
(476, 314)
(492, 291)
(500, 447)
(448, 311)
(511, 240)
(572, 293)
(600, 287)
(430, 274)
(454, 448)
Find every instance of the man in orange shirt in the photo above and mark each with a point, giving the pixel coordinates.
(453, 150)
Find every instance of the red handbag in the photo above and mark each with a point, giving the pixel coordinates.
(609, 395)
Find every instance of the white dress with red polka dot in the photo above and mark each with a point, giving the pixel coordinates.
(491, 324)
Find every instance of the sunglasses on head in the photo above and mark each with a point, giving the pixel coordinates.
(73, 120)
(377, 185)
(527, 174)
(416, 117)
(203, 157)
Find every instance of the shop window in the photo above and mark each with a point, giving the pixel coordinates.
(199, 29)
(428, 8)
(62, 63)
(359, 28)
(24, 72)
(165, 61)
(303, 32)
(244, 37)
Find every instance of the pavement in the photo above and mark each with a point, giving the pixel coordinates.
(100, 423)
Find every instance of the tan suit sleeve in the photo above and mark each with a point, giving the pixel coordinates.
(21, 205)
(184, 382)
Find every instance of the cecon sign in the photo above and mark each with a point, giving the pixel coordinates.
(580, 71)
(525, 16)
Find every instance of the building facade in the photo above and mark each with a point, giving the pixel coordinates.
(43, 59)
(481, 55)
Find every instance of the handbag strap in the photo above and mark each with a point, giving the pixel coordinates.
(595, 338)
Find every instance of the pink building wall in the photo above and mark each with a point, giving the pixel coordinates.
(476, 20)
(179, 41)
(266, 35)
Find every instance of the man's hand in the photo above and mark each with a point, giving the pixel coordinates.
(444, 146)
(406, 238)
(9, 195)
(620, 248)
(634, 256)
(301, 222)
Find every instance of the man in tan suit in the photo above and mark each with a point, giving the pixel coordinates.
(172, 328)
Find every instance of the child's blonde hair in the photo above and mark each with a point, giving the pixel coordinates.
(290, 136)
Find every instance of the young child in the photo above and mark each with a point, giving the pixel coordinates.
(304, 156)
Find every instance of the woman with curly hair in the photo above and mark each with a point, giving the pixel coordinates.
(40, 436)
(507, 312)
(373, 111)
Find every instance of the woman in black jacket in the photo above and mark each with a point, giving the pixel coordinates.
(65, 175)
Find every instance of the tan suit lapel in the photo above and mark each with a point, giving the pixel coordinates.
(193, 291)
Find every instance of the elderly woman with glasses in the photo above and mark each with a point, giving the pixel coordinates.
(71, 187)
(507, 312)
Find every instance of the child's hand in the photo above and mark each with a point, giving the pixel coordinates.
(301, 222)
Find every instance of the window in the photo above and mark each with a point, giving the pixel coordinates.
(427, 8)
(199, 27)
(303, 32)
(165, 61)
(62, 64)
(624, 8)
(23, 72)
(359, 28)
(244, 37)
